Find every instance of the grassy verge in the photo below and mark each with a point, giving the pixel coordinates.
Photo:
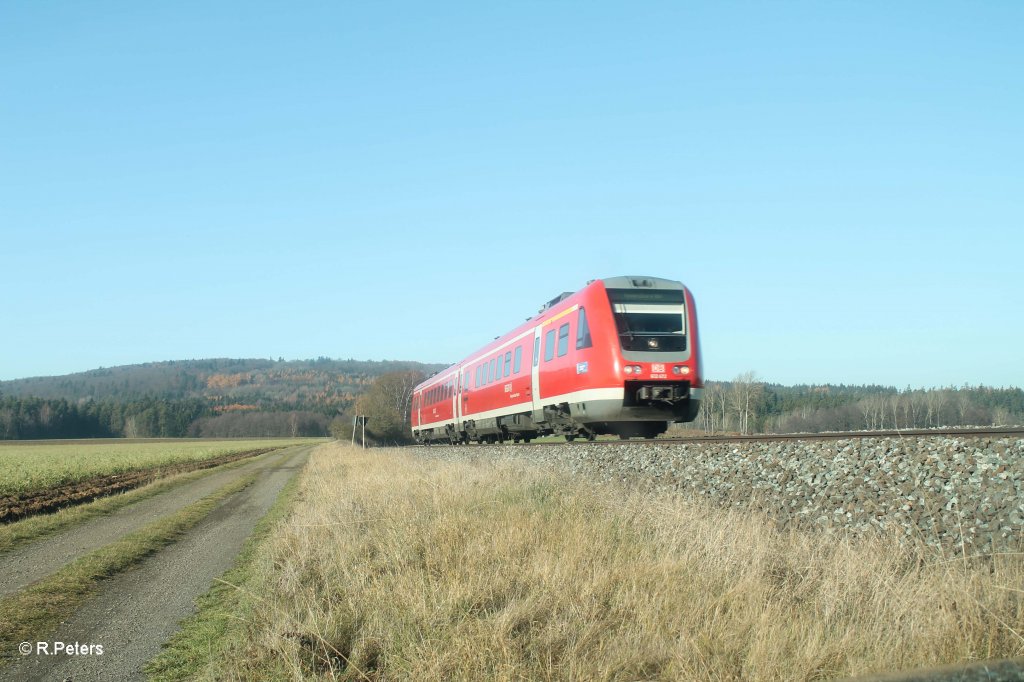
(36, 527)
(39, 608)
(392, 567)
(219, 622)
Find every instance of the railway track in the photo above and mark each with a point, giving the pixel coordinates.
(768, 437)
(846, 435)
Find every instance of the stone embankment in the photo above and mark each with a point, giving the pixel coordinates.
(959, 492)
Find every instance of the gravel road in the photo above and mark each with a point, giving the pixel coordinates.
(137, 611)
(28, 563)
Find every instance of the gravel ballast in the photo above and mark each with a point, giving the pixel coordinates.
(958, 492)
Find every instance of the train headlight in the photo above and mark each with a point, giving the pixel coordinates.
(652, 343)
(633, 369)
(628, 369)
(680, 369)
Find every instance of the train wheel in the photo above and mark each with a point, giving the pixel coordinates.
(591, 435)
(570, 437)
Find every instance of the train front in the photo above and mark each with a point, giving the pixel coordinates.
(656, 323)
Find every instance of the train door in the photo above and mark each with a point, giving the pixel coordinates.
(457, 400)
(535, 376)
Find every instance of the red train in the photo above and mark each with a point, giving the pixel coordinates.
(620, 356)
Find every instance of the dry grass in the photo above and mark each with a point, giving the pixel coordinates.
(393, 567)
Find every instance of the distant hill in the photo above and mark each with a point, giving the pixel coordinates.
(225, 384)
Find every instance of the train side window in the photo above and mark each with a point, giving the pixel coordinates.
(508, 363)
(536, 351)
(490, 370)
(518, 362)
(563, 339)
(549, 345)
(583, 339)
(501, 366)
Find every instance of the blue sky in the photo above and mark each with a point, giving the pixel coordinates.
(841, 184)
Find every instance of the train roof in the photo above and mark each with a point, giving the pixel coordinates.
(622, 282)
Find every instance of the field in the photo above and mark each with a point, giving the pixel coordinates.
(395, 567)
(25, 468)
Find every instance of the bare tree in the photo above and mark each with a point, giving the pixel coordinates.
(743, 393)
(388, 404)
(130, 428)
(710, 406)
(963, 404)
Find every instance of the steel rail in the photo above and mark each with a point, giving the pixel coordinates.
(770, 437)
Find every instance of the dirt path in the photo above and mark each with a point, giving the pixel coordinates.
(137, 611)
(26, 564)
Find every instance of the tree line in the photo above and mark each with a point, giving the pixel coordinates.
(744, 405)
(31, 418)
(747, 405)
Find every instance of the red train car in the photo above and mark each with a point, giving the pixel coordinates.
(620, 356)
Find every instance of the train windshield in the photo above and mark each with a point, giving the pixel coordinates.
(652, 320)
